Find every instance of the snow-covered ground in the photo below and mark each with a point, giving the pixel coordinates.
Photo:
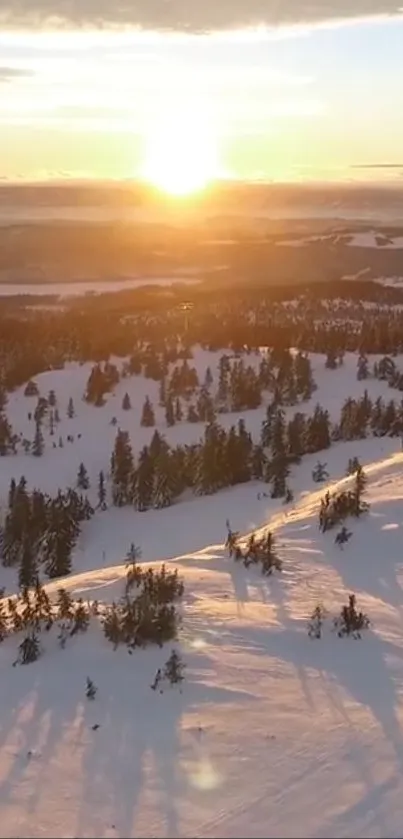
(273, 734)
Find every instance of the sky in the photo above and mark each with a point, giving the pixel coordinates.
(282, 90)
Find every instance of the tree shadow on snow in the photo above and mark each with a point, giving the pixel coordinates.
(362, 669)
(137, 755)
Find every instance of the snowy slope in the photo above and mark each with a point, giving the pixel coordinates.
(273, 734)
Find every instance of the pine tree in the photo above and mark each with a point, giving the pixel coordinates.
(64, 605)
(192, 415)
(52, 399)
(38, 443)
(70, 408)
(29, 650)
(169, 412)
(8, 440)
(162, 393)
(126, 404)
(11, 493)
(320, 473)
(331, 359)
(362, 367)
(82, 477)
(101, 491)
(147, 416)
(174, 669)
(122, 469)
(133, 554)
(316, 622)
(279, 464)
(351, 622)
(178, 410)
(28, 571)
(144, 481)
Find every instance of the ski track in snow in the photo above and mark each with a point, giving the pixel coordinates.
(274, 734)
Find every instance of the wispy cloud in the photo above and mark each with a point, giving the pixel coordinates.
(377, 166)
(192, 16)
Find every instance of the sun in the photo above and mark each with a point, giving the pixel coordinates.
(180, 155)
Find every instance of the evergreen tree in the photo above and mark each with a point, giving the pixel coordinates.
(320, 473)
(162, 394)
(362, 367)
(144, 481)
(279, 463)
(165, 481)
(28, 571)
(122, 469)
(331, 359)
(178, 410)
(70, 408)
(169, 412)
(8, 440)
(101, 491)
(38, 442)
(192, 415)
(208, 379)
(174, 669)
(52, 399)
(29, 650)
(126, 404)
(147, 417)
(82, 477)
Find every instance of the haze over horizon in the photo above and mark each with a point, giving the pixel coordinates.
(283, 92)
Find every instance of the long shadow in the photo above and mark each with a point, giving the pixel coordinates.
(358, 667)
(374, 571)
(139, 747)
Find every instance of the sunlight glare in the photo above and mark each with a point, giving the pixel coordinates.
(180, 152)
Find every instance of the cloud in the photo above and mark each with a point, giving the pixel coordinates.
(377, 166)
(9, 74)
(186, 15)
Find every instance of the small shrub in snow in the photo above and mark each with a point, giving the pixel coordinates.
(91, 689)
(81, 618)
(343, 536)
(31, 388)
(29, 650)
(315, 624)
(351, 622)
(320, 473)
(174, 669)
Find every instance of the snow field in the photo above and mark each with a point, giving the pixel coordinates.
(273, 734)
